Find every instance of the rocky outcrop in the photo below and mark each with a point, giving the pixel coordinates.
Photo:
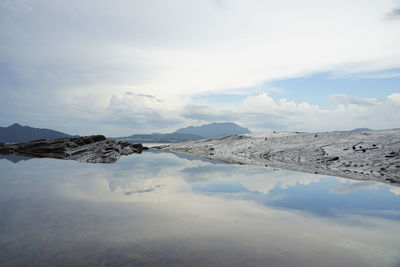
(371, 155)
(91, 149)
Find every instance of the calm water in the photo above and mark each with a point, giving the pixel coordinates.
(161, 209)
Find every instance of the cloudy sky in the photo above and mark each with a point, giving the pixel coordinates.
(133, 66)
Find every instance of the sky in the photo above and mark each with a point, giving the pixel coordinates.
(128, 66)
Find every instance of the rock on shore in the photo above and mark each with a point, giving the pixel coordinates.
(370, 155)
(91, 149)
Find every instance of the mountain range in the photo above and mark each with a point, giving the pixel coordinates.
(191, 133)
(17, 133)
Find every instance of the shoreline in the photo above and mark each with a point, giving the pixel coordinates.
(370, 155)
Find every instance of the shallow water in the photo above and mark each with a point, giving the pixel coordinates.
(164, 209)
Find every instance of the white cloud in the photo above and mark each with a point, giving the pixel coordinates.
(345, 99)
(395, 191)
(262, 112)
(394, 14)
(76, 56)
(395, 97)
(262, 102)
(190, 46)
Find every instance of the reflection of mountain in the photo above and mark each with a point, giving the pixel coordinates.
(17, 133)
(14, 158)
(191, 133)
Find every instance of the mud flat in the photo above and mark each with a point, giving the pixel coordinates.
(370, 155)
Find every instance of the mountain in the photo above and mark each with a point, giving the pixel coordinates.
(354, 130)
(214, 130)
(17, 133)
(160, 138)
(191, 133)
(361, 130)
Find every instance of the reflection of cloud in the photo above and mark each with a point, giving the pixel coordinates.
(253, 179)
(350, 186)
(347, 186)
(177, 219)
(282, 179)
(374, 255)
(166, 217)
(395, 191)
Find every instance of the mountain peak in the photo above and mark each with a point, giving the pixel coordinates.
(14, 125)
(214, 129)
(17, 133)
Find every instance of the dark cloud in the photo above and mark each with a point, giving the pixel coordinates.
(139, 122)
(222, 4)
(394, 14)
(206, 113)
(60, 62)
(133, 111)
(53, 53)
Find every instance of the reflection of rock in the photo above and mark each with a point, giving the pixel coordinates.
(92, 149)
(345, 188)
(372, 155)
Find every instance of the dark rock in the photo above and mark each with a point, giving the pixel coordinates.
(93, 149)
(392, 155)
(393, 181)
(332, 158)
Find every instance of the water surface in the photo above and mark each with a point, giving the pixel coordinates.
(164, 209)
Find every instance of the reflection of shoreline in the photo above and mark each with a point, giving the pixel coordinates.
(354, 155)
(14, 158)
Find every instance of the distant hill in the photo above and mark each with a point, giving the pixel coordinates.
(214, 130)
(361, 130)
(191, 133)
(160, 138)
(355, 130)
(17, 133)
